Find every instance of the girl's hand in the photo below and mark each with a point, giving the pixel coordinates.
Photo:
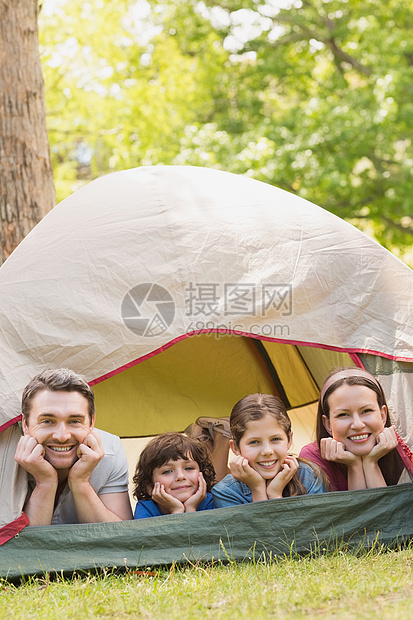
(333, 450)
(193, 502)
(242, 471)
(277, 485)
(386, 442)
(167, 503)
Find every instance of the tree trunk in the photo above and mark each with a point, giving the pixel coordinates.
(26, 175)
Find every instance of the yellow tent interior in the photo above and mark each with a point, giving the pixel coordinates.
(205, 375)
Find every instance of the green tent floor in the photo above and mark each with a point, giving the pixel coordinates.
(276, 527)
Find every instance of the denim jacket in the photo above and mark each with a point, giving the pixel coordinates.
(230, 492)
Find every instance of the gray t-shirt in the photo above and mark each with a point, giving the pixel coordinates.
(109, 476)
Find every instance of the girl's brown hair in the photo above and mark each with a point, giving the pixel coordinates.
(391, 465)
(170, 447)
(257, 406)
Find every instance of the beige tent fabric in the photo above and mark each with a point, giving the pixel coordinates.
(397, 381)
(13, 479)
(397, 387)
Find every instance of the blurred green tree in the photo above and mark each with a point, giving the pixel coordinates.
(314, 96)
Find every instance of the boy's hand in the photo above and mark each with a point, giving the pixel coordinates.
(167, 503)
(277, 485)
(193, 502)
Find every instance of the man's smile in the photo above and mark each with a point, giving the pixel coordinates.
(60, 448)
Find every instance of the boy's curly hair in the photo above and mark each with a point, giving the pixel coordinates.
(170, 447)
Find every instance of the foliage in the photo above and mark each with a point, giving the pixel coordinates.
(315, 97)
(343, 585)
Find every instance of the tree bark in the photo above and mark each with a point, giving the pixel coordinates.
(26, 176)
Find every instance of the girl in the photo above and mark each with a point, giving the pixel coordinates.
(263, 469)
(356, 445)
(173, 475)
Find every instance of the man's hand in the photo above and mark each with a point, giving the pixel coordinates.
(90, 452)
(30, 455)
(193, 502)
(386, 442)
(277, 485)
(167, 503)
(333, 450)
(242, 471)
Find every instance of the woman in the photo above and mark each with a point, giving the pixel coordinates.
(357, 447)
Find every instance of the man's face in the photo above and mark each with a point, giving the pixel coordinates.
(59, 421)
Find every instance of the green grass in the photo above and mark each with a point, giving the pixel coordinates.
(374, 584)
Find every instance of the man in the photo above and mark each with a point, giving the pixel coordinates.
(77, 474)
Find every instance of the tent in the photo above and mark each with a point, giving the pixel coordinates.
(176, 291)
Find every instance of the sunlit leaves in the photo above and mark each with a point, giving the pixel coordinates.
(313, 96)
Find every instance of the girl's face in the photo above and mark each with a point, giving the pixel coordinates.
(355, 418)
(265, 444)
(180, 478)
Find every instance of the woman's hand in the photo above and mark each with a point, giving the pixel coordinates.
(193, 502)
(277, 485)
(242, 471)
(167, 503)
(333, 450)
(386, 442)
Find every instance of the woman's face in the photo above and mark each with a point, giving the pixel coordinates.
(355, 418)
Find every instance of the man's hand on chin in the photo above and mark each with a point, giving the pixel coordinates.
(30, 455)
(90, 452)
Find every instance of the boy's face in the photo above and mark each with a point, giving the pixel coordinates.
(180, 478)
